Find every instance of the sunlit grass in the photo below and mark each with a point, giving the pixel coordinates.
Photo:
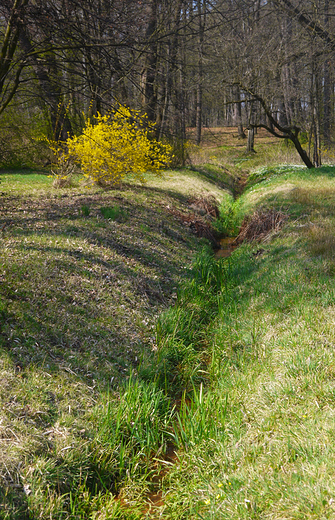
(84, 275)
(272, 359)
(130, 368)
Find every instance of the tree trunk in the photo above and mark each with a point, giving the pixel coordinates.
(286, 74)
(8, 49)
(199, 114)
(303, 154)
(238, 113)
(201, 12)
(251, 140)
(326, 86)
(251, 130)
(48, 77)
(171, 65)
(150, 72)
(315, 105)
(277, 130)
(316, 142)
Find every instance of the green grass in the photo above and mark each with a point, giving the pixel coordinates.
(113, 213)
(85, 209)
(141, 377)
(266, 447)
(84, 276)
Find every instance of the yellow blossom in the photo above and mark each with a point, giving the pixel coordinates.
(114, 146)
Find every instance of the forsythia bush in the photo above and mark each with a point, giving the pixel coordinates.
(117, 145)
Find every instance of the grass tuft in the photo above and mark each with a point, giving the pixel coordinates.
(113, 213)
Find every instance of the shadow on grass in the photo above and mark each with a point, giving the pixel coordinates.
(323, 171)
(13, 504)
(23, 171)
(87, 311)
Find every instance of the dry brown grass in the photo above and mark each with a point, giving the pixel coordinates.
(222, 148)
(260, 224)
(207, 206)
(199, 225)
(322, 240)
(226, 136)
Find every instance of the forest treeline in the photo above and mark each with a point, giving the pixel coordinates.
(247, 63)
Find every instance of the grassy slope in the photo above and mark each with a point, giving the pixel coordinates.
(80, 295)
(271, 454)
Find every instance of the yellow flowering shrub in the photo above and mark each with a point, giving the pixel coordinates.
(117, 145)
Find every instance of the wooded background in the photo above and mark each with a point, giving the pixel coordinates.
(243, 63)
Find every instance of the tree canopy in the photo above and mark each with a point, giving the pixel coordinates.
(247, 63)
